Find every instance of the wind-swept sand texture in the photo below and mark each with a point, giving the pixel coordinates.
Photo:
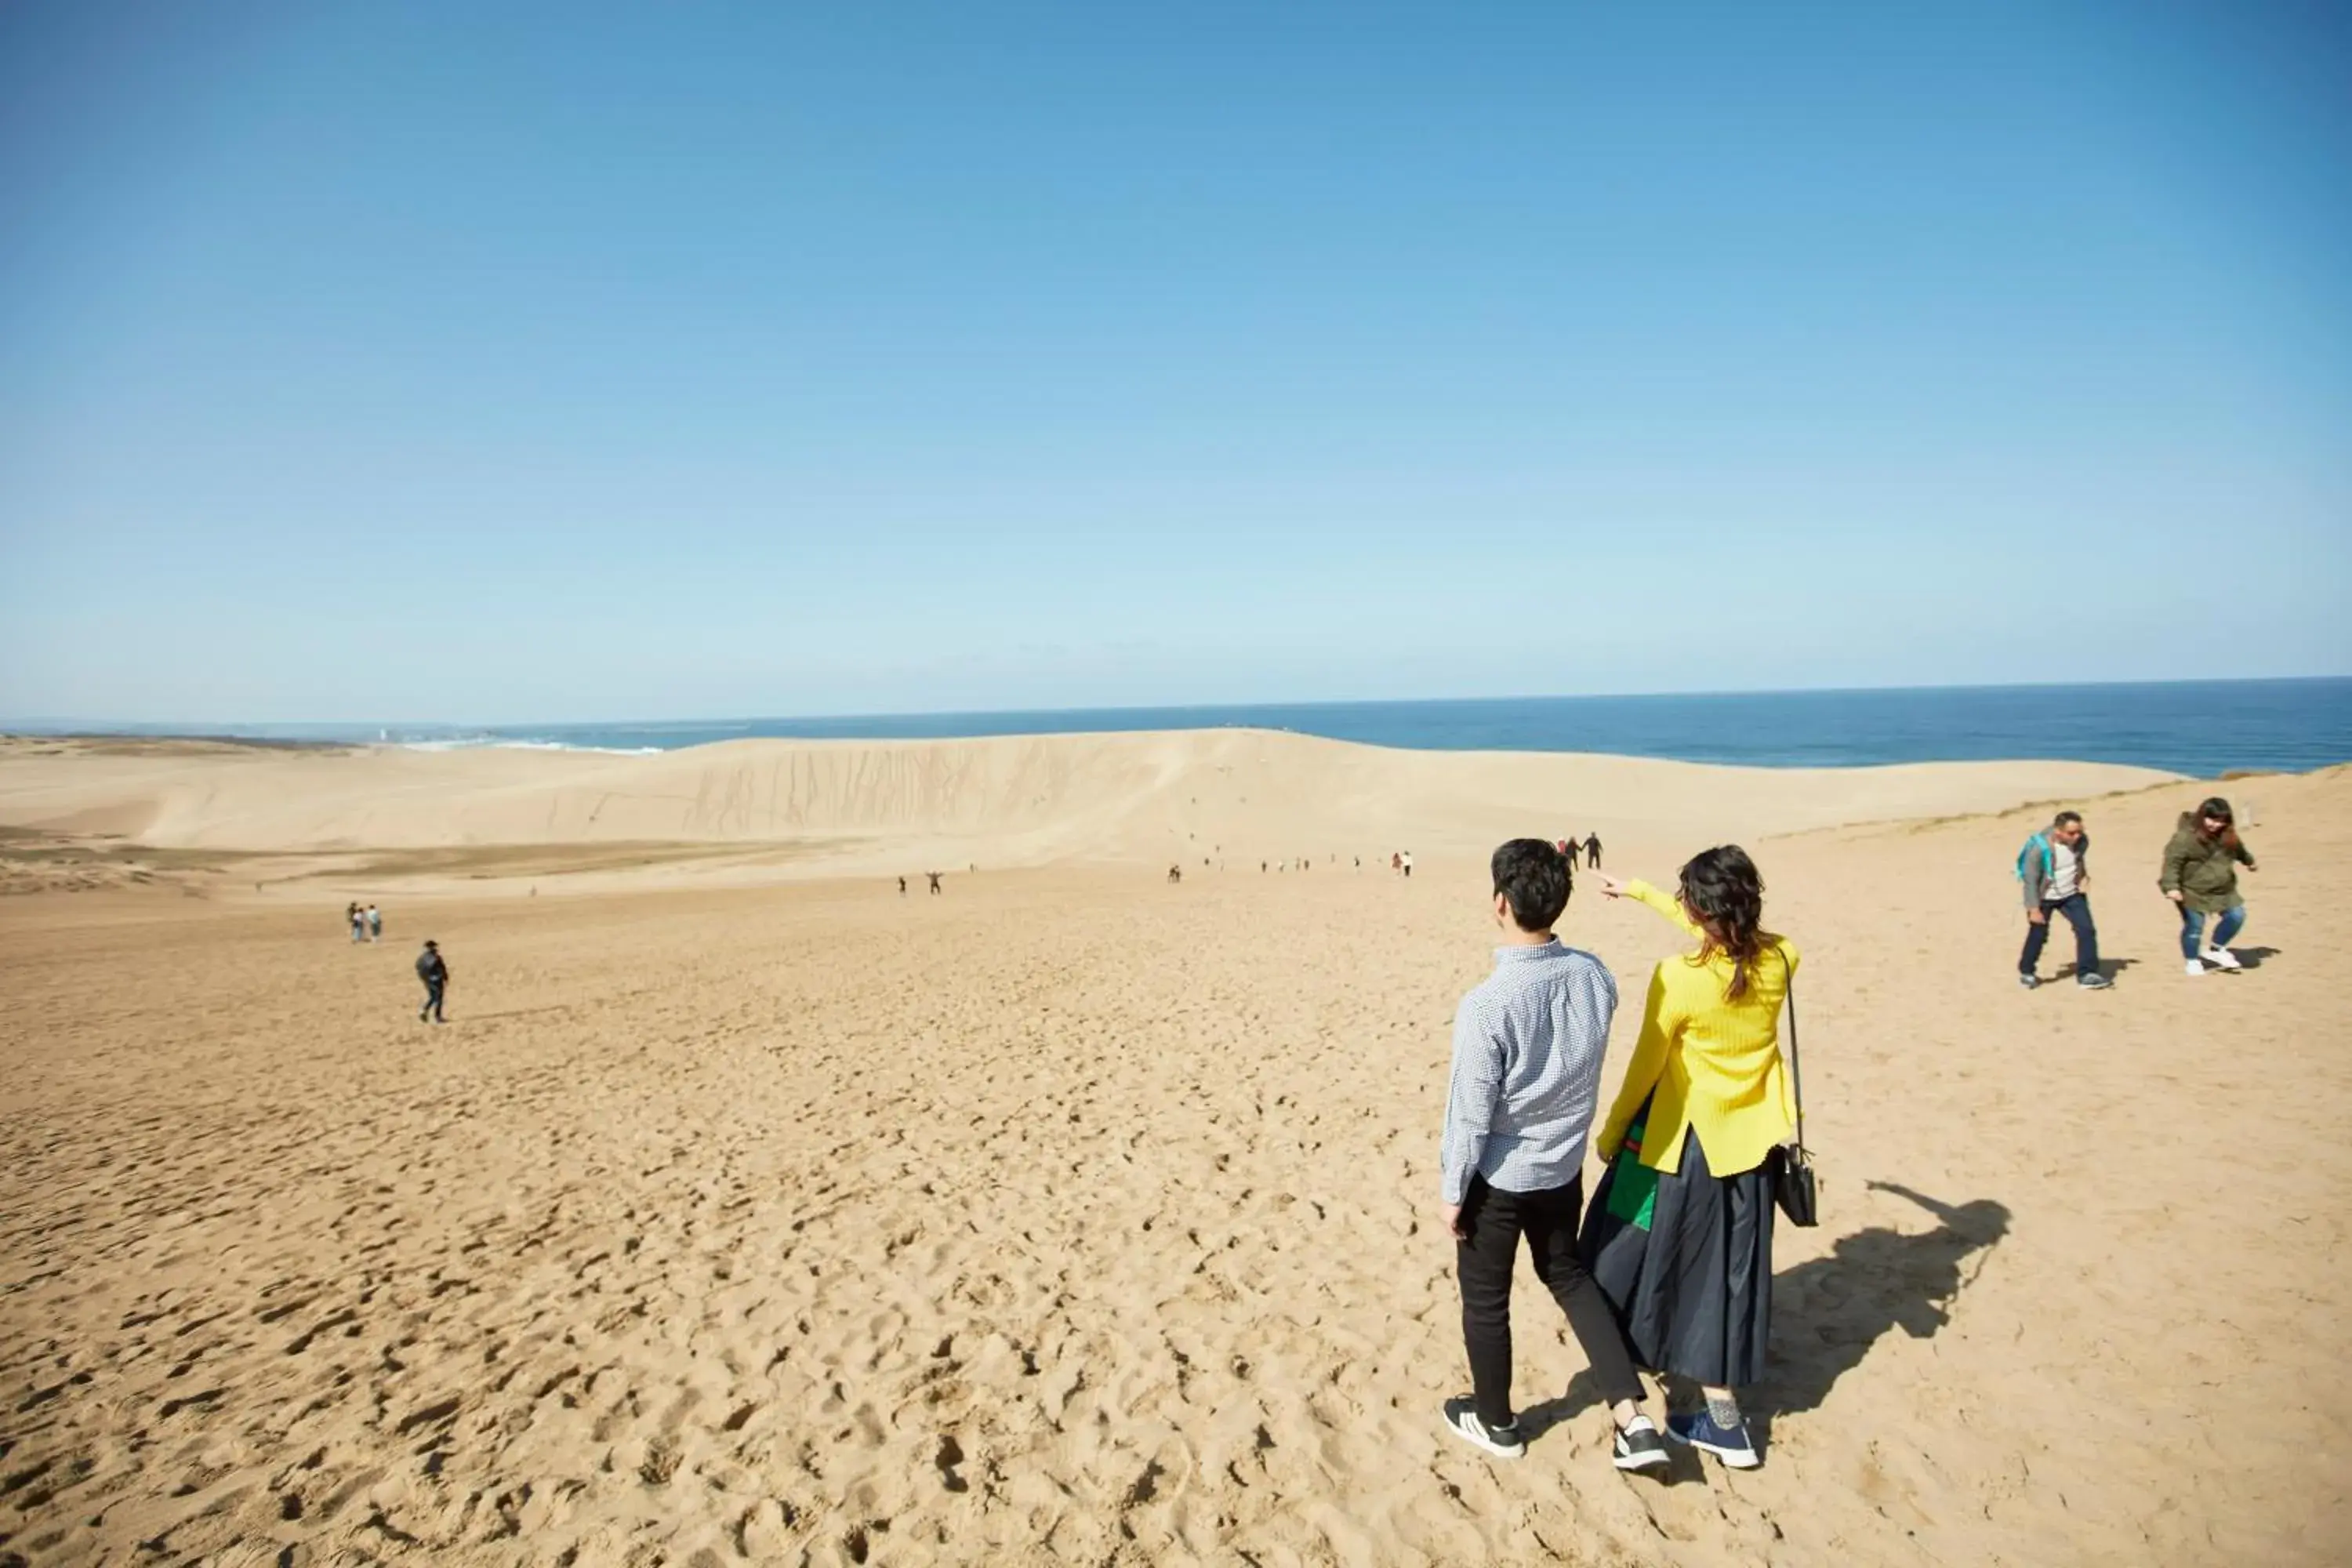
(1021, 800)
(1075, 1216)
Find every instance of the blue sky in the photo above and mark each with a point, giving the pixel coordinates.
(567, 361)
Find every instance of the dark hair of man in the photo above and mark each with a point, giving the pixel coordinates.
(1725, 892)
(2067, 820)
(1534, 876)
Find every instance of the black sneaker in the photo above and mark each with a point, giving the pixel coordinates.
(1503, 1442)
(1639, 1446)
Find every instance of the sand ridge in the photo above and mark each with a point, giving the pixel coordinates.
(1007, 801)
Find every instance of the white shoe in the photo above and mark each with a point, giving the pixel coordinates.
(2194, 968)
(2222, 958)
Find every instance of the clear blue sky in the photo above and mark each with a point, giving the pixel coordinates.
(567, 361)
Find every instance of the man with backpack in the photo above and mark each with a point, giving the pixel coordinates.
(2055, 868)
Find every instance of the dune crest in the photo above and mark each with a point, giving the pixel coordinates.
(1030, 799)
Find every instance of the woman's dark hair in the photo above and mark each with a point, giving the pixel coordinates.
(1534, 876)
(1722, 888)
(2216, 807)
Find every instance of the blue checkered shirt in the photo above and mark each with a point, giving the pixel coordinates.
(1527, 1045)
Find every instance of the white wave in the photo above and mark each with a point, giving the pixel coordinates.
(500, 742)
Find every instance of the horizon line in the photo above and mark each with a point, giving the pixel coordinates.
(199, 728)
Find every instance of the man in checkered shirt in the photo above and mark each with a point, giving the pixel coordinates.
(1528, 1045)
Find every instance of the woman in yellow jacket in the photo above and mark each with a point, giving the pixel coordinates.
(1679, 1236)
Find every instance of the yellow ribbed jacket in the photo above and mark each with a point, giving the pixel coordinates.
(1715, 1064)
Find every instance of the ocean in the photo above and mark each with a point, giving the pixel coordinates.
(2201, 728)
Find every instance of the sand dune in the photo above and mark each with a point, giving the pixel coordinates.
(1071, 1216)
(1009, 801)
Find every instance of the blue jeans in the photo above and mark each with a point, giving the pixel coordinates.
(2192, 930)
(2077, 911)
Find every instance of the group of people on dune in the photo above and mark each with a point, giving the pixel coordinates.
(1669, 1268)
(2199, 874)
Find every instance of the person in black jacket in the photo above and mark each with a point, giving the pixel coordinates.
(435, 972)
(1592, 852)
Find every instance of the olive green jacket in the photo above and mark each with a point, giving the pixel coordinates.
(2203, 871)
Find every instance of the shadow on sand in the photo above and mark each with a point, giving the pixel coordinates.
(1828, 1311)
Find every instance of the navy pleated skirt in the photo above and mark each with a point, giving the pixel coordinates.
(1687, 1266)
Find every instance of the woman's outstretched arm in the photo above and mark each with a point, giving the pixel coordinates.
(1665, 904)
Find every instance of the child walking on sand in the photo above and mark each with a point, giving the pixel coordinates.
(433, 970)
(1528, 1046)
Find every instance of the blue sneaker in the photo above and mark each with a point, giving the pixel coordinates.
(1731, 1443)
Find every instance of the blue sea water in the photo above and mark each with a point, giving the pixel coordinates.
(2201, 728)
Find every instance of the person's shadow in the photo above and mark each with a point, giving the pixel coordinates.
(1828, 1311)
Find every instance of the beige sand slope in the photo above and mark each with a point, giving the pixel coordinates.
(1013, 801)
(1071, 1216)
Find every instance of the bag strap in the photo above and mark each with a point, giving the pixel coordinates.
(1796, 1076)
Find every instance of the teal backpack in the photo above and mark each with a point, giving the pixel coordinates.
(2036, 846)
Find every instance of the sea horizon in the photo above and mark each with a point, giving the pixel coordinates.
(2203, 727)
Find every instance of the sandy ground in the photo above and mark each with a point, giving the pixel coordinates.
(1074, 1216)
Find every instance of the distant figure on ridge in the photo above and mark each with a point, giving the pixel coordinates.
(1408, 865)
(1175, 873)
(1592, 851)
(2055, 868)
(2200, 875)
(432, 969)
(1527, 1048)
(935, 877)
(375, 923)
(902, 886)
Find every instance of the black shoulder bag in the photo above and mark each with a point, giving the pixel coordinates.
(1793, 1168)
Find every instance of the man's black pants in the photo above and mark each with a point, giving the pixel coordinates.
(432, 1007)
(1496, 1221)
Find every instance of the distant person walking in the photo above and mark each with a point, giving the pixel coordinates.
(935, 877)
(375, 923)
(356, 918)
(1408, 865)
(2055, 868)
(1592, 852)
(1528, 1048)
(902, 886)
(435, 972)
(1679, 1235)
(2200, 875)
